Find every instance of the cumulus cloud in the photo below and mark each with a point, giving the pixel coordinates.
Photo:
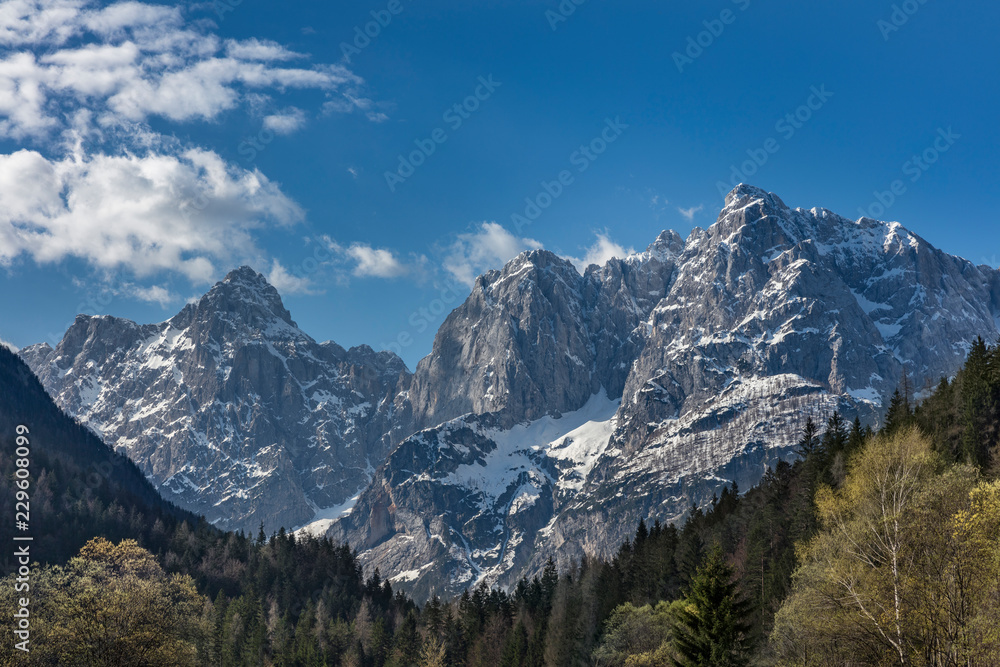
(599, 253)
(689, 213)
(131, 61)
(375, 262)
(80, 83)
(185, 213)
(490, 247)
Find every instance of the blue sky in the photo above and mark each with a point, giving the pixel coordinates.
(145, 149)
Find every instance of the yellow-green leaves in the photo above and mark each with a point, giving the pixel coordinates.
(905, 569)
(112, 605)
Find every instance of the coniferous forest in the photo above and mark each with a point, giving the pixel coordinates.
(875, 547)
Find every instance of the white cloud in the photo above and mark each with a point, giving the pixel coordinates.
(80, 82)
(259, 49)
(131, 61)
(286, 283)
(690, 212)
(348, 102)
(185, 213)
(286, 121)
(375, 262)
(32, 22)
(599, 253)
(489, 248)
(152, 294)
(9, 346)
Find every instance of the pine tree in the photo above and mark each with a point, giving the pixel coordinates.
(810, 441)
(899, 413)
(406, 642)
(976, 404)
(550, 579)
(689, 552)
(516, 647)
(835, 437)
(856, 438)
(712, 627)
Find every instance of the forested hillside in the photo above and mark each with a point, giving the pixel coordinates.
(878, 548)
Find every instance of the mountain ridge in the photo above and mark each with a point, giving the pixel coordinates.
(557, 408)
(231, 409)
(768, 317)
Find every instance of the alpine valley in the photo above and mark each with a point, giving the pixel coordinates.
(555, 410)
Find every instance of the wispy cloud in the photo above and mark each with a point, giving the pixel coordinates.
(153, 294)
(286, 283)
(286, 121)
(689, 213)
(490, 247)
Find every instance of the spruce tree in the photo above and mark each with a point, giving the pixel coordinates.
(712, 627)
(899, 413)
(856, 437)
(810, 439)
(835, 437)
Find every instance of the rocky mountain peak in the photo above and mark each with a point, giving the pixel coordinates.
(536, 263)
(228, 408)
(244, 301)
(744, 194)
(650, 382)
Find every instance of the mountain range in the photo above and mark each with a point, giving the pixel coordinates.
(555, 410)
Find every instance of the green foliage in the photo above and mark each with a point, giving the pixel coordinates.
(111, 605)
(962, 417)
(902, 571)
(636, 633)
(710, 626)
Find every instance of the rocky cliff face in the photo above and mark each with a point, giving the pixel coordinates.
(227, 407)
(711, 355)
(537, 338)
(555, 410)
